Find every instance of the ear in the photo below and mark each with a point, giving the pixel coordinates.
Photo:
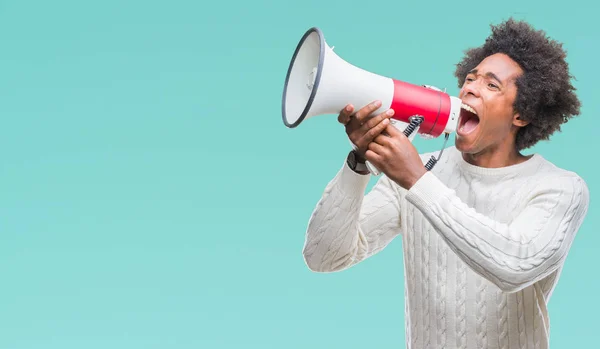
(518, 122)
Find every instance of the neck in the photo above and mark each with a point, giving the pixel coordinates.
(495, 157)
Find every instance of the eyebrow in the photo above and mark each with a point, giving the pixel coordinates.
(488, 74)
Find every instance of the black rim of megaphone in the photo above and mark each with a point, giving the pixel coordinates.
(313, 93)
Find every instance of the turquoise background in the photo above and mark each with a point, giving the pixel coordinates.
(151, 197)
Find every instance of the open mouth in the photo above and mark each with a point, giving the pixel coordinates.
(468, 120)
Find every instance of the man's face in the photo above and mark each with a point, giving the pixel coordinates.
(490, 91)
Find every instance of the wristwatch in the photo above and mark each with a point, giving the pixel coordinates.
(354, 164)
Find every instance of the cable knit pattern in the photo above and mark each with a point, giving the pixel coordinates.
(425, 293)
(480, 313)
(461, 306)
(484, 247)
(502, 315)
(442, 271)
(521, 320)
(411, 270)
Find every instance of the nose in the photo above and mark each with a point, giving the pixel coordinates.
(471, 87)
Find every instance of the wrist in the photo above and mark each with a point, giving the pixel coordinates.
(408, 179)
(357, 163)
(415, 178)
(359, 158)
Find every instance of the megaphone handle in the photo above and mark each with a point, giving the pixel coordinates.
(412, 127)
(374, 170)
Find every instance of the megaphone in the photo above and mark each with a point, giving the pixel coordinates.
(319, 82)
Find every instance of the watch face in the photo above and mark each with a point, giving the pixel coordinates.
(352, 160)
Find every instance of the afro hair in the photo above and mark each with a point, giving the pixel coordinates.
(545, 96)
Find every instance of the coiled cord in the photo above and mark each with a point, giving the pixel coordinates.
(415, 121)
(429, 165)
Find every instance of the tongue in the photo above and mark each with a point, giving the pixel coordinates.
(470, 125)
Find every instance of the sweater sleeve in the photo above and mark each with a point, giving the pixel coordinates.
(348, 226)
(516, 255)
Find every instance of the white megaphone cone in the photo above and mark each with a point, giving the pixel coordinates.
(319, 82)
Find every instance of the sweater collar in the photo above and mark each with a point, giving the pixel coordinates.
(531, 164)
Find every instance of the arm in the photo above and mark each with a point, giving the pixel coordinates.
(346, 226)
(515, 255)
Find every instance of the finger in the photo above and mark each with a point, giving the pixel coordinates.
(382, 139)
(374, 132)
(373, 158)
(374, 121)
(376, 148)
(367, 110)
(344, 116)
(393, 131)
(388, 134)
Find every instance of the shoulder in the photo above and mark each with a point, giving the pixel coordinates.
(563, 184)
(549, 173)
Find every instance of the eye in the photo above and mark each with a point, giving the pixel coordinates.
(493, 85)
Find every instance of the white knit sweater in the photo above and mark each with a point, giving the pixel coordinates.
(483, 247)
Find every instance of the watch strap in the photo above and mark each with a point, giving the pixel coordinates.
(354, 164)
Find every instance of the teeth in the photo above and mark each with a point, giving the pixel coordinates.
(468, 108)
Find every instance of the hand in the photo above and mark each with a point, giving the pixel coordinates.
(395, 156)
(361, 128)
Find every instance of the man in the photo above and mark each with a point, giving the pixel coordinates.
(486, 232)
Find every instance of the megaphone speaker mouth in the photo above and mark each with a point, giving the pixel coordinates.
(306, 64)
